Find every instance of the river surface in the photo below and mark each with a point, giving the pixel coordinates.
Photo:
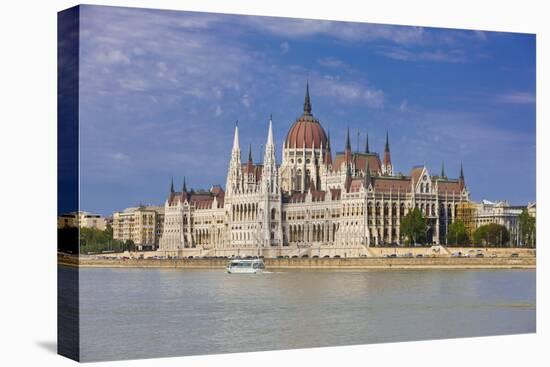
(147, 313)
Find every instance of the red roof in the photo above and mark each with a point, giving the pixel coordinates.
(386, 184)
(306, 131)
(360, 160)
(255, 169)
(448, 186)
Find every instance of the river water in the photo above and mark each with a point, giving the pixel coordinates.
(146, 313)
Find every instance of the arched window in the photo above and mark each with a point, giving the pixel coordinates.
(273, 214)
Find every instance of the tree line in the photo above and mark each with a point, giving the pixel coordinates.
(414, 228)
(90, 240)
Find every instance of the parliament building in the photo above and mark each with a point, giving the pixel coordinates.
(316, 202)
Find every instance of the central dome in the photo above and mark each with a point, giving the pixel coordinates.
(306, 131)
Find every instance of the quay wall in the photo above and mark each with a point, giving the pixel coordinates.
(317, 263)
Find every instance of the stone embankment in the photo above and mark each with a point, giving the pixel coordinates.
(436, 262)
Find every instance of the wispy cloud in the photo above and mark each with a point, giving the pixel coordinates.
(439, 55)
(346, 31)
(347, 91)
(332, 62)
(516, 97)
(285, 47)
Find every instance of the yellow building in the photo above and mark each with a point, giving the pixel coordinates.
(143, 225)
(81, 219)
(466, 212)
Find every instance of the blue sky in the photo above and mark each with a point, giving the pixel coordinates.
(161, 91)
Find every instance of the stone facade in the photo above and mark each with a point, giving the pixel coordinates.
(143, 225)
(504, 214)
(310, 204)
(81, 219)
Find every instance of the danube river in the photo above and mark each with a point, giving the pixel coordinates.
(144, 313)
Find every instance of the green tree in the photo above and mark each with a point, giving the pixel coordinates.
(527, 229)
(457, 233)
(492, 235)
(129, 245)
(95, 240)
(413, 226)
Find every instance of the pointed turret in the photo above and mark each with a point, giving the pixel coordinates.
(328, 154)
(367, 144)
(236, 137)
(233, 183)
(347, 150)
(269, 171)
(307, 101)
(442, 170)
(250, 162)
(270, 132)
(172, 186)
(368, 178)
(184, 189)
(461, 181)
(387, 168)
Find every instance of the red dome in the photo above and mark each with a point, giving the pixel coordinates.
(306, 130)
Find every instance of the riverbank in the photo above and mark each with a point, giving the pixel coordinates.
(314, 263)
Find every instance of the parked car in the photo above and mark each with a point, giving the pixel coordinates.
(456, 254)
(514, 254)
(392, 255)
(479, 254)
(419, 255)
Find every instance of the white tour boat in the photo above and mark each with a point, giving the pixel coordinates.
(245, 266)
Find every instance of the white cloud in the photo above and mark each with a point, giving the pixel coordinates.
(245, 100)
(349, 91)
(516, 97)
(404, 106)
(120, 156)
(331, 62)
(347, 31)
(112, 57)
(439, 55)
(285, 47)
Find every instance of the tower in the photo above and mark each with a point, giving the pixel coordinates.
(271, 203)
(387, 168)
(234, 172)
(461, 182)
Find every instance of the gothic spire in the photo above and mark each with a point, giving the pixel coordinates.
(367, 144)
(387, 147)
(250, 153)
(442, 170)
(270, 132)
(367, 173)
(307, 102)
(184, 189)
(348, 144)
(172, 185)
(236, 137)
(461, 171)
